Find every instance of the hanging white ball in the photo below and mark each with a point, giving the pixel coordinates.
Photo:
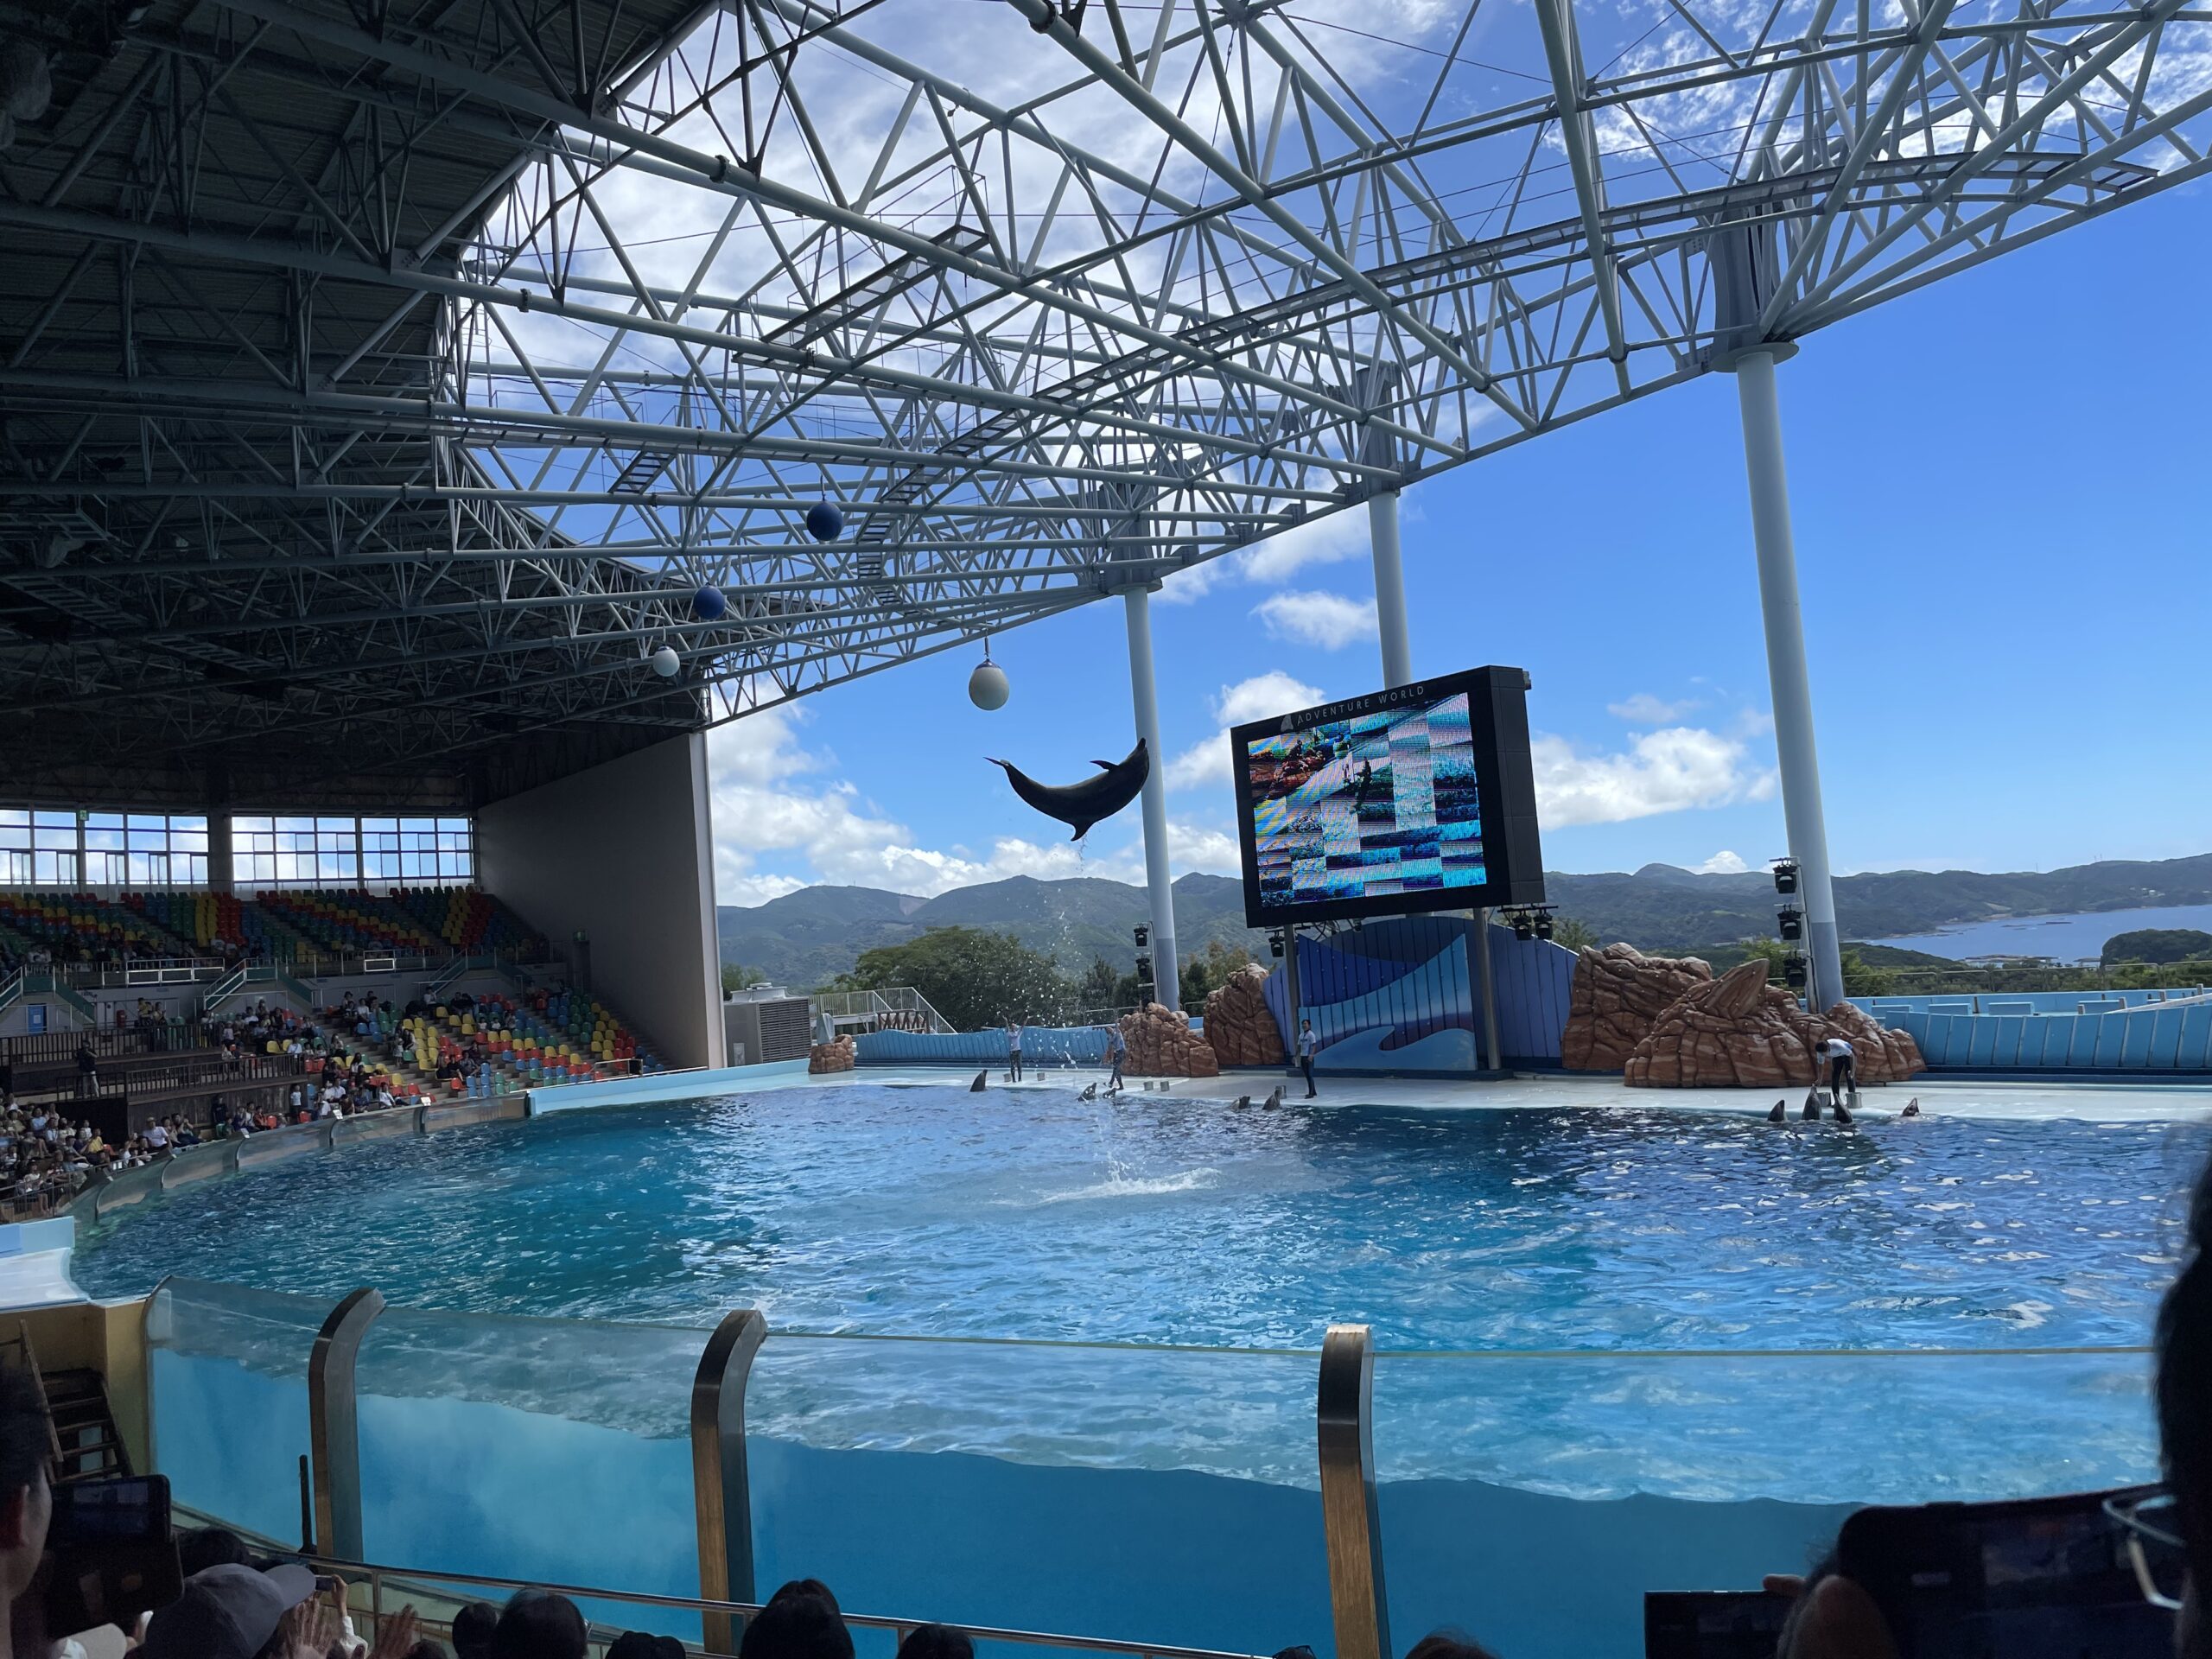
(987, 686)
(666, 663)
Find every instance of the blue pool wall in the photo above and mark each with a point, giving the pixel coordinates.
(1172, 1557)
(2117, 1034)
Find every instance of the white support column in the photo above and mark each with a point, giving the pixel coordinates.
(1786, 674)
(1146, 698)
(1389, 587)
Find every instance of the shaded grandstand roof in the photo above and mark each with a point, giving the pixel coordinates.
(376, 382)
(169, 608)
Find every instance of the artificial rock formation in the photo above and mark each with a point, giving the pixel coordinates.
(1739, 1032)
(1239, 1027)
(838, 1055)
(1162, 1045)
(1617, 996)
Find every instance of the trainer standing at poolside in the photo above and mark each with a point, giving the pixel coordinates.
(1013, 1048)
(1842, 1068)
(1308, 1045)
(1117, 1052)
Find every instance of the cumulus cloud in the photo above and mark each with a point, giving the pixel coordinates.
(1723, 862)
(1644, 709)
(1272, 693)
(1667, 770)
(1340, 535)
(1329, 621)
(770, 798)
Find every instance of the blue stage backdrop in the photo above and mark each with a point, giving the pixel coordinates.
(1400, 995)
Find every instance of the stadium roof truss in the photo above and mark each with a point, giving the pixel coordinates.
(393, 369)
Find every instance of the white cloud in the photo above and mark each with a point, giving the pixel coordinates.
(752, 765)
(1272, 693)
(1666, 770)
(1340, 535)
(1644, 709)
(1723, 862)
(1329, 621)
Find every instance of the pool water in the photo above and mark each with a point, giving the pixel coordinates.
(930, 1211)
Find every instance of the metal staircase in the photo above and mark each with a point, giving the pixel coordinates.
(82, 1433)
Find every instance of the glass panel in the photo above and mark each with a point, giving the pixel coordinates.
(552, 1450)
(1505, 1478)
(228, 1382)
(1160, 1495)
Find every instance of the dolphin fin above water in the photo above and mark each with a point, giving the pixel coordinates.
(1094, 799)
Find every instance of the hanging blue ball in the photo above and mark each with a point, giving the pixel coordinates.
(708, 604)
(823, 522)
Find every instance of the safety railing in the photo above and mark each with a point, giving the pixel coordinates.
(114, 1042)
(899, 1007)
(1246, 1491)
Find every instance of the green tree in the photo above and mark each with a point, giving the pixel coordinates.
(1573, 933)
(973, 978)
(1208, 971)
(2158, 944)
(737, 976)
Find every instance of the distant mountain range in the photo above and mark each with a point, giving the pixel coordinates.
(815, 933)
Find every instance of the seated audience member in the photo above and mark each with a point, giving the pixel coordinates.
(25, 1503)
(642, 1644)
(198, 1548)
(1447, 1644)
(536, 1624)
(936, 1642)
(472, 1631)
(1834, 1618)
(232, 1611)
(801, 1620)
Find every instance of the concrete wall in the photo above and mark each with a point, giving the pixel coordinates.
(624, 851)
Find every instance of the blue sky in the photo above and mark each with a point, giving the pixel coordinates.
(2001, 504)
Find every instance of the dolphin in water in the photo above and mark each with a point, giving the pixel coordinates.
(1094, 799)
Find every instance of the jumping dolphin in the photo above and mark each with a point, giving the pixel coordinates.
(1094, 799)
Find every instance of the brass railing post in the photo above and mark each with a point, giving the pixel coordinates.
(719, 1485)
(334, 1430)
(1350, 1521)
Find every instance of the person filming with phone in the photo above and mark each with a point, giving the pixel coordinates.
(2133, 1575)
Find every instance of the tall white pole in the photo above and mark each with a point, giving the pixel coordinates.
(1785, 667)
(1146, 698)
(1389, 587)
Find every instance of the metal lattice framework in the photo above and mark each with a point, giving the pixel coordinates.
(392, 371)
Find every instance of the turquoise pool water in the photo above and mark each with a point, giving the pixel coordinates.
(1051, 1380)
(928, 1212)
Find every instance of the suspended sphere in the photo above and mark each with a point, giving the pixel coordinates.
(987, 687)
(666, 662)
(823, 522)
(708, 604)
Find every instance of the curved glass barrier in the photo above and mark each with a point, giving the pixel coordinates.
(1531, 1499)
(552, 1450)
(227, 1387)
(1147, 1495)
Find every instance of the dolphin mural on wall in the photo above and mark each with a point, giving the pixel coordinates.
(1094, 799)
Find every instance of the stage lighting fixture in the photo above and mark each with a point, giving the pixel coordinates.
(1790, 922)
(1543, 925)
(1793, 972)
(1274, 945)
(1143, 935)
(1785, 875)
(1523, 929)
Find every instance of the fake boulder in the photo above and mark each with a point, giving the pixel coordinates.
(1739, 1032)
(1616, 997)
(1162, 1045)
(838, 1055)
(1239, 1027)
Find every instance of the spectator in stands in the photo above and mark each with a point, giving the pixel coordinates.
(472, 1626)
(198, 1548)
(236, 1611)
(643, 1644)
(1447, 1644)
(26, 1504)
(88, 1069)
(156, 1137)
(536, 1624)
(936, 1642)
(801, 1620)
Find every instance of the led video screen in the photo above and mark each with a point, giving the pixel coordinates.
(1420, 797)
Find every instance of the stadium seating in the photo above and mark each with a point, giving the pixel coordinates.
(468, 919)
(83, 925)
(350, 923)
(560, 1037)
